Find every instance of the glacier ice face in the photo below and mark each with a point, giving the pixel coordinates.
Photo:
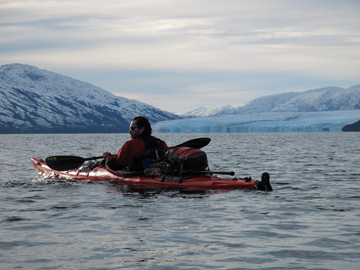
(332, 121)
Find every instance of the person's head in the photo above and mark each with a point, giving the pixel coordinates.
(140, 126)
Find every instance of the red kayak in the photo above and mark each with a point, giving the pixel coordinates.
(201, 180)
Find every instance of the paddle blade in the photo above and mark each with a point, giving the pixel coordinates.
(194, 143)
(64, 163)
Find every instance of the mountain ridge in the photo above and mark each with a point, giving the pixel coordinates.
(34, 100)
(315, 100)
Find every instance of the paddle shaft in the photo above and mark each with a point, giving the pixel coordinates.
(218, 172)
(91, 158)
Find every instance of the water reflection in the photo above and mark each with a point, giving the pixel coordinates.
(145, 192)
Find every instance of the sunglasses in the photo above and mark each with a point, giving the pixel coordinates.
(132, 128)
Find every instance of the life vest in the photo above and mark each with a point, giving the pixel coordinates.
(154, 152)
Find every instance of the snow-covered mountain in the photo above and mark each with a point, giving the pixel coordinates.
(326, 109)
(317, 100)
(36, 100)
(325, 99)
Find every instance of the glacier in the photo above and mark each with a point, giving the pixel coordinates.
(324, 121)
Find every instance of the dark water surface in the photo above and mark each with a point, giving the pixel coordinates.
(310, 221)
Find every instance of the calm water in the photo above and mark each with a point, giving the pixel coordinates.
(310, 221)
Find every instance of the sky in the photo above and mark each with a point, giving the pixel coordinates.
(178, 55)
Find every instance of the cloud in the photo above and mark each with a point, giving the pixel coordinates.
(317, 41)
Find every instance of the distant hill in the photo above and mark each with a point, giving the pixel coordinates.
(352, 127)
(317, 100)
(34, 100)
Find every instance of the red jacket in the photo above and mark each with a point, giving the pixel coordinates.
(134, 148)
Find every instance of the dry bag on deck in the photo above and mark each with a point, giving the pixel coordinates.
(186, 159)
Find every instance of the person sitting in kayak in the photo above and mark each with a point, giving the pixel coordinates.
(131, 156)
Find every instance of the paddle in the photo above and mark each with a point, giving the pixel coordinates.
(194, 143)
(65, 163)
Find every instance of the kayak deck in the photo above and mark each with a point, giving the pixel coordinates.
(193, 182)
